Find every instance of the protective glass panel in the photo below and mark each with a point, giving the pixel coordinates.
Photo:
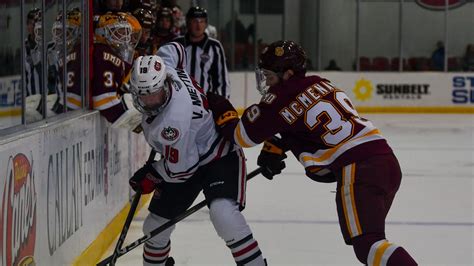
(74, 57)
(10, 65)
(338, 33)
(461, 38)
(423, 36)
(53, 32)
(34, 63)
(379, 38)
(305, 29)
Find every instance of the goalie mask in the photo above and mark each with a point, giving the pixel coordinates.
(277, 58)
(148, 85)
(136, 28)
(115, 31)
(73, 28)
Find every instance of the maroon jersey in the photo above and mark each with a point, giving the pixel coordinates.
(109, 72)
(73, 82)
(317, 122)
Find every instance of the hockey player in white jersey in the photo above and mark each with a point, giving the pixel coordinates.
(178, 124)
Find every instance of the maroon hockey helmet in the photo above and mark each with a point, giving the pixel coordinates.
(144, 17)
(283, 55)
(165, 12)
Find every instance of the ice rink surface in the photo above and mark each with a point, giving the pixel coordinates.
(295, 222)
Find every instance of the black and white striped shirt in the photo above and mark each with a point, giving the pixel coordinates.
(33, 64)
(206, 63)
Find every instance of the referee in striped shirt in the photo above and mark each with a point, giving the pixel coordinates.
(206, 61)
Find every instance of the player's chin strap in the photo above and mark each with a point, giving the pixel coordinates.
(163, 227)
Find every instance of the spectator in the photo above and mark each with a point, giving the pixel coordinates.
(241, 34)
(211, 31)
(145, 18)
(103, 6)
(437, 57)
(251, 32)
(150, 5)
(169, 3)
(468, 59)
(164, 28)
(205, 56)
(178, 17)
(333, 66)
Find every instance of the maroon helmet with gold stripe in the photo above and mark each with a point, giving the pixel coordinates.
(283, 55)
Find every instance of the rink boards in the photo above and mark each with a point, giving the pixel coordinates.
(384, 92)
(61, 185)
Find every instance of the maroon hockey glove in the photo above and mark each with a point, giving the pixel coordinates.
(271, 158)
(145, 179)
(222, 110)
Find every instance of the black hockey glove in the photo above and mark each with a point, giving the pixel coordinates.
(271, 158)
(146, 179)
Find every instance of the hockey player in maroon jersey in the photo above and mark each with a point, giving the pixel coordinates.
(320, 126)
(112, 50)
(73, 65)
(163, 31)
(145, 45)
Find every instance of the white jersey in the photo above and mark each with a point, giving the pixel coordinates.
(184, 131)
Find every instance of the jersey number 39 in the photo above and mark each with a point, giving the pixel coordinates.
(339, 128)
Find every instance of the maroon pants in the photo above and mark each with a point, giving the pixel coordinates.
(365, 191)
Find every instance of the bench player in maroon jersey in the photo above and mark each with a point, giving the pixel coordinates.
(320, 126)
(72, 88)
(112, 52)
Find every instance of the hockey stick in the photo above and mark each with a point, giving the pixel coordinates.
(167, 225)
(131, 213)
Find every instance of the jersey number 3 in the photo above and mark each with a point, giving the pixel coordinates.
(338, 128)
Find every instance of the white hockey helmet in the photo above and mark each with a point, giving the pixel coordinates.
(148, 85)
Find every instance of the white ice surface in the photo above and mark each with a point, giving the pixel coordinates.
(295, 222)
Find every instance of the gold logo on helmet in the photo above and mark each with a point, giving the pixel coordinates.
(363, 89)
(279, 51)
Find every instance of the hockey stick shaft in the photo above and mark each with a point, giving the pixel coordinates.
(168, 224)
(128, 221)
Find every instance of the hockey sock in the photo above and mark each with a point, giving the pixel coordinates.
(383, 253)
(363, 243)
(231, 226)
(157, 249)
(246, 252)
(155, 256)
